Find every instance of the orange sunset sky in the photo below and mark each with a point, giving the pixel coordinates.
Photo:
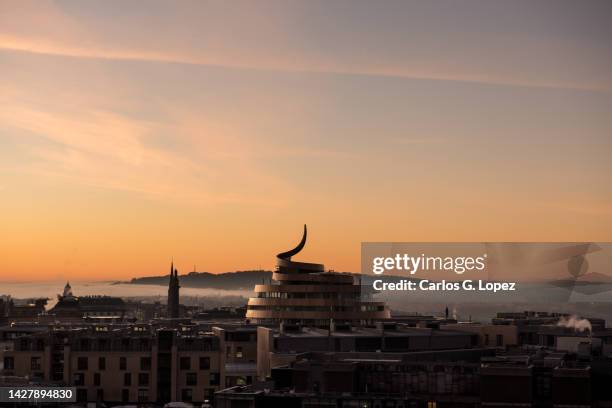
(210, 131)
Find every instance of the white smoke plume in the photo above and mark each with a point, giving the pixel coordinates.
(576, 323)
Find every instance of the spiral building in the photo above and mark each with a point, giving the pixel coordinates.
(304, 294)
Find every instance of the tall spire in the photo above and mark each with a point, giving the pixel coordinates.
(173, 292)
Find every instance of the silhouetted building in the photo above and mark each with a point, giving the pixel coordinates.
(173, 293)
(134, 363)
(303, 293)
(24, 310)
(472, 378)
(279, 347)
(368, 379)
(75, 308)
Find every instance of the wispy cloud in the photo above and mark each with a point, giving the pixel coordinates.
(419, 140)
(46, 47)
(57, 33)
(108, 150)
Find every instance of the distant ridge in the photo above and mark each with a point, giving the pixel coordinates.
(239, 280)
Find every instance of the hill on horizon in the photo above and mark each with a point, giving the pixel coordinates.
(239, 280)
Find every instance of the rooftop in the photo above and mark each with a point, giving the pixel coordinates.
(398, 331)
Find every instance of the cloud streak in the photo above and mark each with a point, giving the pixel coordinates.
(44, 47)
(266, 40)
(108, 150)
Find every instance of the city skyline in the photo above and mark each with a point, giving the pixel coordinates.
(211, 132)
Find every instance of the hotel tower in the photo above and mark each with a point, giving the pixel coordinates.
(304, 294)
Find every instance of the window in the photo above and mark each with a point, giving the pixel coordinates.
(145, 363)
(97, 379)
(238, 352)
(122, 363)
(543, 386)
(215, 379)
(204, 363)
(35, 363)
(102, 363)
(192, 379)
(82, 363)
(499, 340)
(143, 379)
(127, 379)
(100, 394)
(125, 395)
(9, 363)
(79, 379)
(84, 344)
(187, 394)
(81, 395)
(185, 363)
(143, 395)
(228, 351)
(486, 339)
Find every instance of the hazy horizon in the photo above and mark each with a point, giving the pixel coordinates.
(50, 290)
(132, 133)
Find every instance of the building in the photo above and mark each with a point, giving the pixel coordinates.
(303, 293)
(278, 347)
(448, 378)
(173, 293)
(132, 364)
(25, 310)
(464, 378)
(76, 308)
(548, 379)
(489, 335)
(530, 322)
(238, 354)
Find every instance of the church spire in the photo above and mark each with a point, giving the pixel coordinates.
(173, 292)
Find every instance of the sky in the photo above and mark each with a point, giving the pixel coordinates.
(135, 132)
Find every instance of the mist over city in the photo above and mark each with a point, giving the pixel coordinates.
(305, 203)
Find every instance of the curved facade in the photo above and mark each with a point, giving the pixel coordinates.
(303, 293)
